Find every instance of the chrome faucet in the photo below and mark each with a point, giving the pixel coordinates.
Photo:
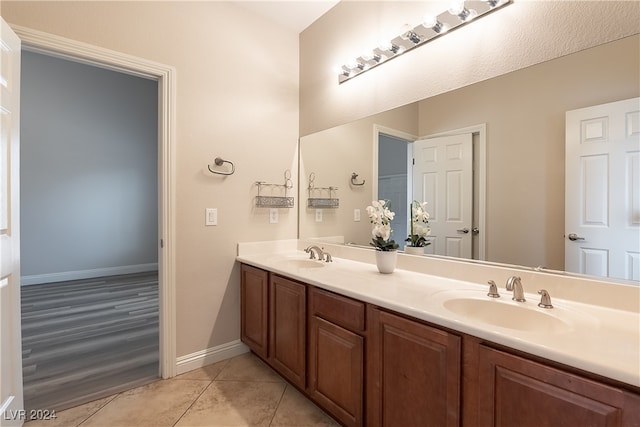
(514, 283)
(315, 251)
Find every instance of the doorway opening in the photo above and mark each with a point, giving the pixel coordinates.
(165, 76)
(395, 182)
(89, 215)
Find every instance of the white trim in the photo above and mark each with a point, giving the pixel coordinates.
(37, 41)
(63, 276)
(210, 355)
(481, 130)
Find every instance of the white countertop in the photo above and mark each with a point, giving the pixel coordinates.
(598, 339)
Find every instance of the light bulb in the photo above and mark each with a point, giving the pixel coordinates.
(367, 55)
(352, 63)
(456, 7)
(385, 45)
(429, 21)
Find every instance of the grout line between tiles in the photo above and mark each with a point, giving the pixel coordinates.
(194, 402)
(99, 409)
(284, 390)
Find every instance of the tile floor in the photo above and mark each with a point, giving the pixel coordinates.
(242, 391)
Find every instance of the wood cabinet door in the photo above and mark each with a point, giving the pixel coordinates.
(287, 329)
(336, 358)
(413, 373)
(254, 297)
(513, 391)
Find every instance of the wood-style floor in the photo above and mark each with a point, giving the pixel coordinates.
(86, 339)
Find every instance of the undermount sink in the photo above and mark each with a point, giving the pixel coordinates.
(506, 314)
(301, 263)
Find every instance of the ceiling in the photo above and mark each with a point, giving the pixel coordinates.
(294, 14)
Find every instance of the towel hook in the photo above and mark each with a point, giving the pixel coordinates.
(219, 162)
(354, 178)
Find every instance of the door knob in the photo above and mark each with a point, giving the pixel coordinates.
(573, 237)
(463, 230)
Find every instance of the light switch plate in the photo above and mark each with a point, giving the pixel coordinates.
(318, 215)
(273, 216)
(211, 216)
(356, 215)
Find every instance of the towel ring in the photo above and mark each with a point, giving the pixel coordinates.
(354, 178)
(219, 162)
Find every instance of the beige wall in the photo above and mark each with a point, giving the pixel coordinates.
(522, 34)
(237, 97)
(525, 116)
(333, 155)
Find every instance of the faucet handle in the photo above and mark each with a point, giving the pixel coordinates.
(327, 257)
(545, 301)
(493, 289)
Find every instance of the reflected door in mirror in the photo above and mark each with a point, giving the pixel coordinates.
(443, 177)
(602, 213)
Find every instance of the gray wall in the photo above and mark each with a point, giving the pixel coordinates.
(88, 171)
(394, 152)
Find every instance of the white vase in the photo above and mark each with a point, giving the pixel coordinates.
(386, 261)
(414, 250)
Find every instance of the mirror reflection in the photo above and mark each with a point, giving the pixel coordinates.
(517, 125)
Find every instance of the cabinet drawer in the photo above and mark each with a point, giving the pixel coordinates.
(342, 311)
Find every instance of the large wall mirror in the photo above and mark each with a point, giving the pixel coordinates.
(517, 124)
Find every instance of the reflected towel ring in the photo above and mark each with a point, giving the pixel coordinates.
(219, 162)
(354, 177)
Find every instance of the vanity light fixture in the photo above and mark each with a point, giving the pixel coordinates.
(458, 14)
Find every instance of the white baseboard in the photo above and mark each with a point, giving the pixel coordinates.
(86, 274)
(210, 355)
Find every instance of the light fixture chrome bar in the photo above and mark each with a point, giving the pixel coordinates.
(461, 13)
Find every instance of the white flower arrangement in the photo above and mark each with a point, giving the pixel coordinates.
(419, 232)
(380, 216)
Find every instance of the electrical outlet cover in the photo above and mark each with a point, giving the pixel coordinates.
(211, 216)
(273, 216)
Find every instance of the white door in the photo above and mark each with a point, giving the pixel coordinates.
(602, 190)
(443, 177)
(11, 401)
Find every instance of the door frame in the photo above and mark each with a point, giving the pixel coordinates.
(481, 130)
(165, 75)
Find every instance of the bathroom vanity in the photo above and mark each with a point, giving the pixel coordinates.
(380, 350)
